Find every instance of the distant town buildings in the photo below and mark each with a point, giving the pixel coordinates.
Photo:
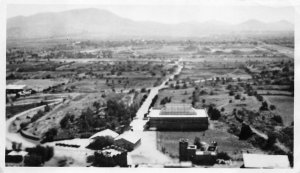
(178, 117)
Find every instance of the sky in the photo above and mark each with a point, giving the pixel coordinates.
(166, 13)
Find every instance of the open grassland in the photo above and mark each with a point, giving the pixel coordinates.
(176, 95)
(284, 107)
(226, 142)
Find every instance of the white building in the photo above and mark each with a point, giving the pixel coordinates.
(265, 161)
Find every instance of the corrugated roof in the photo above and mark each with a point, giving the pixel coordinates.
(265, 161)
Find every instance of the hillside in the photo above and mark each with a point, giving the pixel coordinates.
(102, 23)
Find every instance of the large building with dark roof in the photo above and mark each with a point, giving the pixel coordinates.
(178, 117)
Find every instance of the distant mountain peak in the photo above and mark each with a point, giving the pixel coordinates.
(104, 23)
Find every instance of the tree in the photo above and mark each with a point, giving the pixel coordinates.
(223, 155)
(33, 160)
(65, 120)
(101, 142)
(36, 116)
(237, 97)
(50, 134)
(101, 161)
(213, 113)
(277, 118)
(246, 132)
(272, 107)
(271, 140)
(96, 105)
(264, 106)
(47, 108)
(197, 142)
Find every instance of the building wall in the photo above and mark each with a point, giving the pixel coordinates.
(179, 123)
(183, 154)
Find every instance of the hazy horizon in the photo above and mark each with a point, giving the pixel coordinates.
(171, 14)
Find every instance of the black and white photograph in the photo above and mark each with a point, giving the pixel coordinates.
(150, 84)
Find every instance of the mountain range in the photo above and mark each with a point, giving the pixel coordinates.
(94, 22)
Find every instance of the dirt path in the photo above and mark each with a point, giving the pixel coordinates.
(277, 144)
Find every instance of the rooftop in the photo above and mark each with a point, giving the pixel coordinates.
(178, 110)
(15, 87)
(16, 153)
(265, 161)
(106, 132)
(129, 136)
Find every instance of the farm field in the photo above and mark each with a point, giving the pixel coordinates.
(284, 107)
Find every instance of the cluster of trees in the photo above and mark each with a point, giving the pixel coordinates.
(38, 155)
(40, 113)
(165, 100)
(213, 113)
(101, 160)
(101, 142)
(153, 101)
(13, 159)
(49, 135)
(66, 120)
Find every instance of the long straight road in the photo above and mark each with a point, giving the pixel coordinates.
(138, 123)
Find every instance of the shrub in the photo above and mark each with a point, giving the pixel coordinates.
(143, 90)
(264, 106)
(272, 107)
(277, 118)
(38, 115)
(47, 108)
(237, 97)
(223, 155)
